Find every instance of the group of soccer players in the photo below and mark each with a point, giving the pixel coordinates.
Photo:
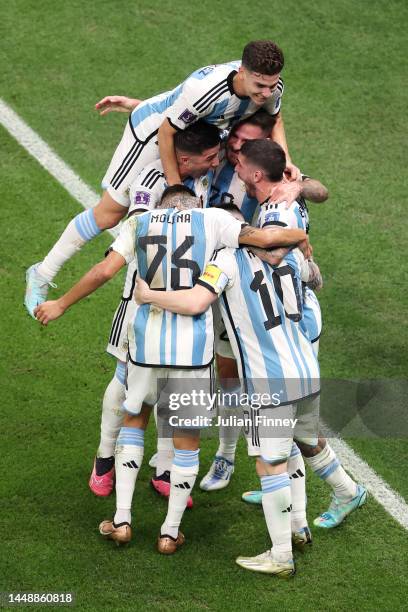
(216, 239)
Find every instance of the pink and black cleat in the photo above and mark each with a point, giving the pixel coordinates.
(102, 485)
(161, 484)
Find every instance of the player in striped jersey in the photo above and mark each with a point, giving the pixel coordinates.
(261, 308)
(197, 150)
(221, 94)
(228, 187)
(260, 164)
(171, 247)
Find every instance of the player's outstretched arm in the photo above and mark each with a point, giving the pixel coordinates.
(314, 191)
(267, 238)
(92, 280)
(184, 301)
(168, 154)
(119, 104)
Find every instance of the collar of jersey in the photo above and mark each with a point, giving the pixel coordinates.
(231, 86)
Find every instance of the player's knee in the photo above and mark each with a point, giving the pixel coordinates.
(108, 213)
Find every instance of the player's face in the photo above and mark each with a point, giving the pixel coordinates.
(238, 137)
(259, 87)
(246, 173)
(200, 164)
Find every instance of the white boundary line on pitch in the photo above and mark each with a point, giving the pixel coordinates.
(39, 149)
(391, 501)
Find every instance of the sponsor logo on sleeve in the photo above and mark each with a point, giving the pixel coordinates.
(187, 116)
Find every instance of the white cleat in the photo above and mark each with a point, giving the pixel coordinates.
(265, 564)
(218, 476)
(36, 289)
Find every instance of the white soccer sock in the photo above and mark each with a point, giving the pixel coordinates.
(79, 230)
(112, 416)
(276, 503)
(182, 478)
(229, 434)
(328, 467)
(297, 472)
(128, 459)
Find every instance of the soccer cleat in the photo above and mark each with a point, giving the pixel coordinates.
(302, 538)
(218, 476)
(36, 289)
(166, 545)
(265, 564)
(338, 510)
(153, 461)
(252, 497)
(161, 484)
(121, 534)
(102, 486)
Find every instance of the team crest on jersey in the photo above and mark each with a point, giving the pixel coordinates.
(141, 197)
(272, 216)
(204, 182)
(187, 116)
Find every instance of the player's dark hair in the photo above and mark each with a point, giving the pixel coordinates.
(228, 206)
(178, 195)
(261, 119)
(267, 155)
(197, 138)
(263, 56)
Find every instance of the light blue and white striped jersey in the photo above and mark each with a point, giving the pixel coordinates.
(208, 94)
(296, 216)
(227, 187)
(171, 248)
(145, 194)
(261, 307)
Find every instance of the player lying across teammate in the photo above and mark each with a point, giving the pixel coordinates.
(220, 94)
(171, 247)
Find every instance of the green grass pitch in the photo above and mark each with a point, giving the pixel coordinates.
(345, 113)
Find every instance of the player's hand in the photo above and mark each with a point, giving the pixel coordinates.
(142, 292)
(286, 191)
(292, 172)
(306, 248)
(119, 104)
(315, 281)
(49, 311)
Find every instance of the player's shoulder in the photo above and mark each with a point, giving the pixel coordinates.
(215, 71)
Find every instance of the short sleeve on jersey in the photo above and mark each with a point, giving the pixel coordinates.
(197, 99)
(278, 214)
(145, 192)
(225, 227)
(125, 242)
(219, 272)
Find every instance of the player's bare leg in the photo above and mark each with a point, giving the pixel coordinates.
(347, 494)
(102, 478)
(80, 230)
(183, 474)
